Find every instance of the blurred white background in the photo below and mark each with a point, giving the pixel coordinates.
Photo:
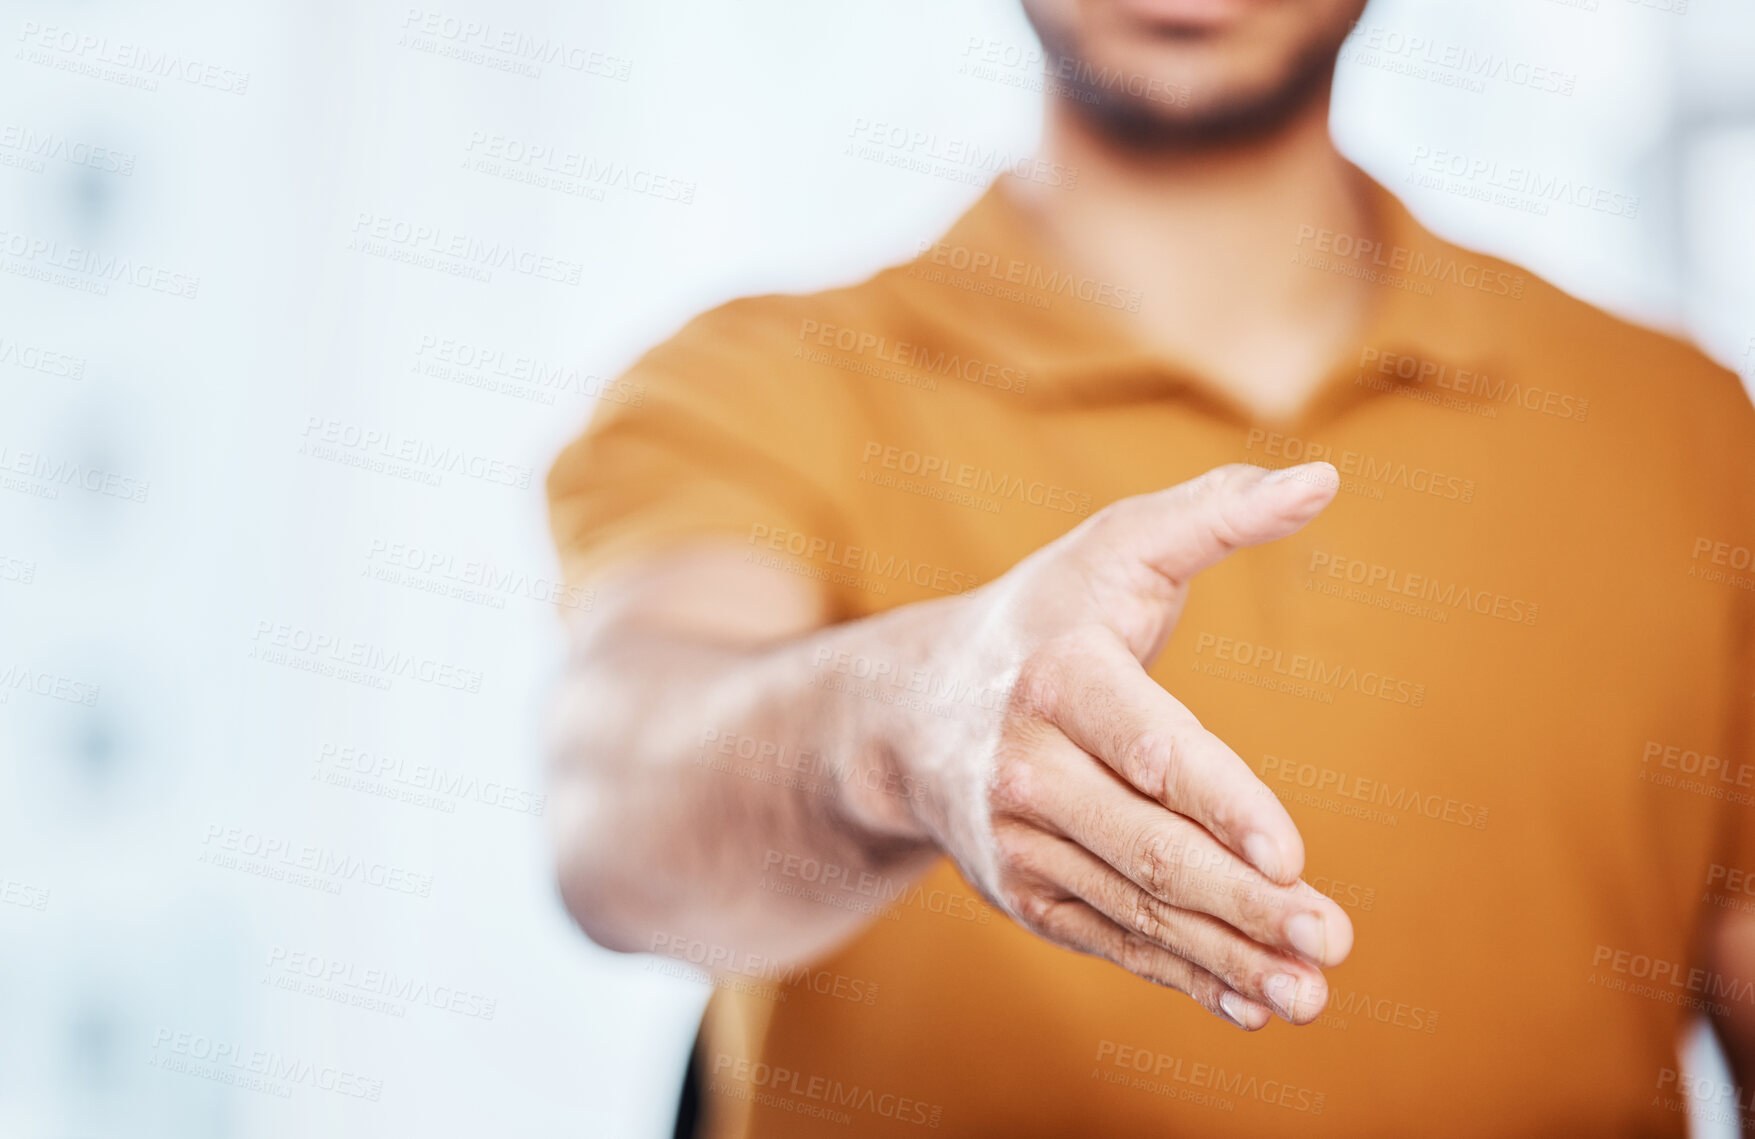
(253, 253)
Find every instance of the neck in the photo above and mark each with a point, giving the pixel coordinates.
(1206, 234)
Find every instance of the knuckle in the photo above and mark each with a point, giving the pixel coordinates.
(1011, 849)
(1222, 523)
(1073, 655)
(1257, 906)
(1158, 865)
(1242, 968)
(1237, 797)
(1041, 680)
(1151, 759)
(1050, 672)
(1031, 907)
(1140, 957)
(1012, 790)
(1148, 916)
(1227, 815)
(1206, 990)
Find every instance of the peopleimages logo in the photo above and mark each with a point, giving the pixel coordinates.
(1314, 670)
(514, 50)
(515, 374)
(1381, 1010)
(1533, 190)
(1678, 980)
(1451, 595)
(421, 784)
(1066, 76)
(790, 976)
(961, 160)
(310, 650)
(35, 358)
(277, 857)
(386, 452)
(30, 149)
(1435, 805)
(466, 579)
(374, 989)
(255, 1069)
(1423, 268)
(1152, 1068)
(1452, 65)
(1037, 279)
(34, 473)
(1724, 563)
(919, 357)
(433, 247)
(137, 64)
(981, 481)
(23, 894)
(585, 175)
(1706, 1099)
(1711, 775)
(832, 879)
(821, 1093)
(52, 685)
(886, 567)
(91, 270)
(1369, 469)
(1473, 383)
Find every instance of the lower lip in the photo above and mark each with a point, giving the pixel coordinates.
(1201, 13)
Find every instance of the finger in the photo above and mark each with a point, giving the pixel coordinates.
(1177, 862)
(1106, 704)
(1072, 923)
(1184, 529)
(1293, 988)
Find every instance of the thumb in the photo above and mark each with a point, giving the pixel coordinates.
(1188, 527)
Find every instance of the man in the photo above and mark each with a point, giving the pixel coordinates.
(917, 709)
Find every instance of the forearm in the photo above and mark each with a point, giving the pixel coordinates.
(690, 778)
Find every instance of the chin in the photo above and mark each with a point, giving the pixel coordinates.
(1195, 70)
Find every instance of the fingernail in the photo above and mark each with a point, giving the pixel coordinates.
(1263, 855)
(1281, 474)
(1234, 1008)
(1309, 936)
(1282, 992)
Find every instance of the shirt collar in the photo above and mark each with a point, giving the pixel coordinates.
(992, 282)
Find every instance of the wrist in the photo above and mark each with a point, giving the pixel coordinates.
(904, 703)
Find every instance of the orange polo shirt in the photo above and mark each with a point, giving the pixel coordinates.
(1503, 683)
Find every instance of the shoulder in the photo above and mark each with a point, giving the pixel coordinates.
(776, 326)
(1648, 389)
(1623, 353)
(1669, 438)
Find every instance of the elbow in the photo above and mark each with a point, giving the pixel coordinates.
(592, 904)
(594, 895)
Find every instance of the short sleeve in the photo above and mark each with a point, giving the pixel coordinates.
(1736, 770)
(1722, 560)
(715, 432)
